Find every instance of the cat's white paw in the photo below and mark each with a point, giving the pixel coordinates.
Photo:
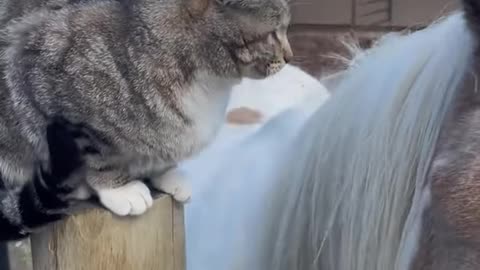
(175, 183)
(132, 199)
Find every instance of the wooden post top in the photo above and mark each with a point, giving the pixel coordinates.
(98, 240)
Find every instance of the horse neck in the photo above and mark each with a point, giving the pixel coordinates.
(348, 197)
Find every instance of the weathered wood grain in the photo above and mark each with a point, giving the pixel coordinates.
(97, 240)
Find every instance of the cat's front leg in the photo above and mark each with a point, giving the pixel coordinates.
(132, 199)
(175, 183)
(121, 196)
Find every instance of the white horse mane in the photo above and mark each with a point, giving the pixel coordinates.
(349, 197)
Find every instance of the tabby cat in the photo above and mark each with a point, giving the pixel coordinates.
(150, 79)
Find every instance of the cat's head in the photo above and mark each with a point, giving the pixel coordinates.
(260, 45)
(254, 32)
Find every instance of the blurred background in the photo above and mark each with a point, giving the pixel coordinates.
(318, 25)
(316, 32)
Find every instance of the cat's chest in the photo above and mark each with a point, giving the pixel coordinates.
(205, 104)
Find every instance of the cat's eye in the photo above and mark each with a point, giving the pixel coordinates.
(259, 38)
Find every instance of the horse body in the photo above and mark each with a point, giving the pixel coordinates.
(382, 176)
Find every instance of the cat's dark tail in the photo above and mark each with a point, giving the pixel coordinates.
(51, 192)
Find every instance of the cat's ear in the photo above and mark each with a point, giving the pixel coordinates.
(197, 7)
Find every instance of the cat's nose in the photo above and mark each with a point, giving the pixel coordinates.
(287, 58)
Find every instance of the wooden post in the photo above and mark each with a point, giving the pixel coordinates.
(97, 240)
